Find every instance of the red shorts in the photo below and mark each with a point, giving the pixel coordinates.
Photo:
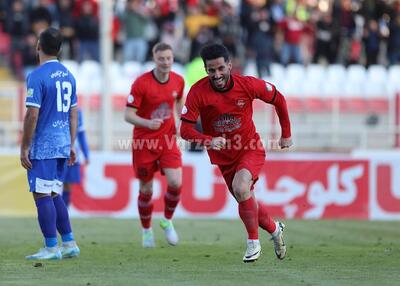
(148, 161)
(251, 160)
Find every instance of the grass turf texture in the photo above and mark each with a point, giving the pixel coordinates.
(210, 253)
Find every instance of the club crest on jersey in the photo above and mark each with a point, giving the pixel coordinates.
(29, 93)
(240, 103)
(174, 94)
(268, 86)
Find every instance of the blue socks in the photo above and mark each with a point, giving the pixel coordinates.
(62, 221)
(47, 220)
(66, 197)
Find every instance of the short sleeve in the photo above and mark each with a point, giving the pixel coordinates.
(136, 95)
(263, 90)
(34, 92)
(190, 111)
(181, 88)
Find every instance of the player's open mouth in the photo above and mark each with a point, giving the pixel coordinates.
(219, 81)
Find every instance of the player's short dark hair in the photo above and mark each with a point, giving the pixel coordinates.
(50, 41)
(161, 47)
(214, 51)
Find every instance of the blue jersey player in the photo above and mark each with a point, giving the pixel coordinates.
(47, 144)
(73, 175)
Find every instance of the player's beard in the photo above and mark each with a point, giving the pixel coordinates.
(222, 83)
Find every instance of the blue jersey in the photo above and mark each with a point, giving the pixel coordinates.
(52, 89)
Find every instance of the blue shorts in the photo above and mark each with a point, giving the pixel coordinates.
(73, 175)
(47, 176)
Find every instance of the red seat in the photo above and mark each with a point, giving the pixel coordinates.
(353, 105)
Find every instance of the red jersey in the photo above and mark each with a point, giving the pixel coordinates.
(229, 114)
(154, 99)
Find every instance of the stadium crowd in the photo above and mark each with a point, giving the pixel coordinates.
(301, 31)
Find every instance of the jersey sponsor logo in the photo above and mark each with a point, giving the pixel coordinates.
(29, 93)
(162, 112)
(240, 103)
(184, 109)
(227, 123)
(60, 124)
(59, 74)
(130, 98)
(268, 86)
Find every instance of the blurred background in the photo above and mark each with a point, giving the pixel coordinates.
(336, 61)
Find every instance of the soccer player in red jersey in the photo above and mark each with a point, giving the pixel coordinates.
(224, 103)
(154, 98)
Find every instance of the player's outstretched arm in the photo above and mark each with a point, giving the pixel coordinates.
(132, 118)
(30, 121)
(283, 115)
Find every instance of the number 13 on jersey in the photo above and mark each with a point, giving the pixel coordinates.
(64, 92)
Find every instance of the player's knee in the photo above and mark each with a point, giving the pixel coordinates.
(146, 190)
(240, 190)
(175, 183)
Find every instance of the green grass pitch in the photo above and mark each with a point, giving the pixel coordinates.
(210, 253)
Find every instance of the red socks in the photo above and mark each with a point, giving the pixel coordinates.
(171, 199)
(145, 207)
(265, 221)
(249, 214)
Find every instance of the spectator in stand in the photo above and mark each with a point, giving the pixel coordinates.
(134, 19)
(394, 34)
(258, 22)
(41, 16)
(199, 28)
(344, 19)
(65, 20)
(3, 14)
(166, 11)
(29, 54)
(372, 40)
(87, 31)
(230, 33)
(293, 29)
(325, 46)
(17, 25)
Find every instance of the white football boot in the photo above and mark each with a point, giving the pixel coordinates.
(169, 230)
(148, 238)
(253, 250)
(52, 253)
(279, 243)
(69, 250)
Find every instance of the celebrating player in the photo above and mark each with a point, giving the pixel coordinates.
(48, 144)
(224, 103)
(150, 108)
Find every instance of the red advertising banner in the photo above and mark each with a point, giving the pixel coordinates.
(290, 188)
(316, 189)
